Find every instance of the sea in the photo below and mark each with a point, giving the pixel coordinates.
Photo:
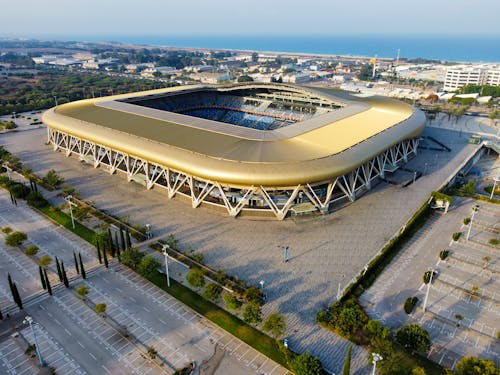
(456, 48)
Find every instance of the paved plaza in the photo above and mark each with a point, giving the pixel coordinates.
(75, 340)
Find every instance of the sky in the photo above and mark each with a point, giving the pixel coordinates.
(66, 18)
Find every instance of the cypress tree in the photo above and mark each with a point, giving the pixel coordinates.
(59, 273)
(346, 370)
(105, 260)
(17, 297)
(76, 263)
(98, 252)
(122, 239)
(129, 241)
(84, 275)
(111, 243)
(65, 278)
(117, 244)
(111, 247)
(42, 278)
(47, 281)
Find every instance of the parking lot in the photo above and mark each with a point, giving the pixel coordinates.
(76, 340)
(463, 307)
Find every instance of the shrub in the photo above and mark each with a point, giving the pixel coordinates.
(456, 236)
(493, 242)
(16, 239)
(410, 304)
(196, 277)
(7, 230)
(443, 254)
(322, 316)
(53, 179)
(467, 221)
(347, 317)
(82, 291)
(36, 199)
(231, 301)
(275, 324)
(252, 313)
(44, 260)
(131, 257)
(31, 250)
(212, 291)
(427, 276)
(414, 338)
(100, 308)
(19, 190)
(306, 364)
(148, 266)
(254, 294)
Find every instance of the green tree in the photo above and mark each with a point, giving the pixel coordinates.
(148, 266)
(196, 277)
(414, 338)
(418, 371)
(275, 324)
(16, 239)
(346, 369)
(212, 291)
(82, 291)
(53, 179)
(475, 366)
(36, 199)
(232, 302)
(31, 250)
(100, 308)
(306, 364)
(44, 261)
(245, 78)
(252, 313)
(131, 257)
(152, 352)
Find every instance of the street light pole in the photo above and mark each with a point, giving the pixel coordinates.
(474, 209)
(68, 199)
(428, 289)
(495, 180)
(29, 320)
(375, 358)
(164, 250)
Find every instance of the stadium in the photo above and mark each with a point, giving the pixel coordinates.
(259, 150)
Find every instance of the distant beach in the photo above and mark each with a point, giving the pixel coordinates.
(469, 48)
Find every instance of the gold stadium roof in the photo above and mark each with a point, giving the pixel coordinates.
(314, 150)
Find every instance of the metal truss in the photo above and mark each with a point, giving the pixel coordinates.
(277, 201)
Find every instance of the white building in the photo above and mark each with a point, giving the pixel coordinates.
(471, 75)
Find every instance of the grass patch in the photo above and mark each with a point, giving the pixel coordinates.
(65, 220)
(232, 324)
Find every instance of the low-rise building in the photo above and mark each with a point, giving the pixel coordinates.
(460, 76)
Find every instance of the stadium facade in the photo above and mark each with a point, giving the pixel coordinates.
(266, 150)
